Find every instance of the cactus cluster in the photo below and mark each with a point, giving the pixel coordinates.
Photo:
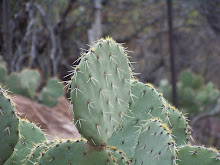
(26, 83)
(122, 121)
(195, 96)
(17, 135)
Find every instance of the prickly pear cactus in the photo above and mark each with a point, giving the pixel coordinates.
(155, 145)
(29, 134)
(146, 103)
(151, 131)
(192, 155)
(51, 92)
(24, 83)
(37, 151)
(75, 152)
(8, 126)
(100, 90)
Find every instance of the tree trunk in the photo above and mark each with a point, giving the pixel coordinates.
(171, 47)
(96, 29)
(7, 40)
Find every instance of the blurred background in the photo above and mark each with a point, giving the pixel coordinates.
(40, 40)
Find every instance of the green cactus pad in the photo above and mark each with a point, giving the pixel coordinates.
(8, 127)
(3, 71)
(193, 155)
(24, 83)
(14, 84)
(75, 152)
(155, 145)
(179, 125)
(29, 135)
(100, 91)
(145, 103)
(119, 155)
(186, 78)
(51, 92)
(37, 151)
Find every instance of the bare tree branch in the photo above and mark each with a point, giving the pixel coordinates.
(213, 113)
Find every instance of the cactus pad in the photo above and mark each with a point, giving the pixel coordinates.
(145, 103)
(193, 155)
(179, 126)
(51, 92)
(37, 151)
(155, 145)
(100, 91)
(29, 135)
(24, 83)
(8, 127)
(75, 152)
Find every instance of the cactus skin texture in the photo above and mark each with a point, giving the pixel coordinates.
(24, 83)
(8, 127)
(179, 125)
(29, 134)
(100, 91)
(155, 145)
(37, 151)
(51, 92)
(146, 103)
(75, 152)
(193, 155)
(119, 155)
